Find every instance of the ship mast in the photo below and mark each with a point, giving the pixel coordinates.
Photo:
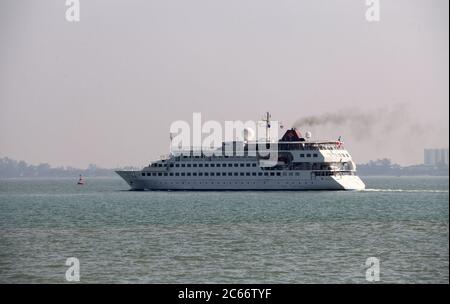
(267, 123)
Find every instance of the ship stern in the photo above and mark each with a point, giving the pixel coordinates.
(350, 182)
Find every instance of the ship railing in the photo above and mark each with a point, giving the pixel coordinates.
(155, 169)
(332, 172)
(165, 156)
(310, 147)
(221, 153)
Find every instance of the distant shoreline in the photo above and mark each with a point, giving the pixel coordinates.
(10, 168)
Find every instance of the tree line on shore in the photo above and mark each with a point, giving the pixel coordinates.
(10, 168)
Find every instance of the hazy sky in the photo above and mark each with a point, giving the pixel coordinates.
(106, 89)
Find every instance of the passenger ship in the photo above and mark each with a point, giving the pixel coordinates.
(301, 164)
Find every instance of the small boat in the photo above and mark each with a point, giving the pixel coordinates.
(80, 181)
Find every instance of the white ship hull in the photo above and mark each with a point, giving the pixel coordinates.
(293, 163)
(303, 182)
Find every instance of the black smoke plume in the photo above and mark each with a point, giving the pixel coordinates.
(361, 124)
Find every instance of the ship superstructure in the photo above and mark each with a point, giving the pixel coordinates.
(300, 164)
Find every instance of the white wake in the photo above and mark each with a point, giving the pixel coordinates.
(406, 190)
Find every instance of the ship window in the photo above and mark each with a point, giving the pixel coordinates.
(290, 173)
(177, 174)
(170, 174)
(230, 174)
(260, 173)
(242, 173)
(278, 173)
(159, 174)
(188, 174)
(154, 174)
(302, 155)
(200, 165)
(247, 174)
(224, 174)
(224, 165)
(230, 165)
(247, 165)
(253, 173)
(315, 155)
(213, 165)
(297, 173)
(272, 173)
(194, 165)
(253, 165)
(206, 165)
(143, 174)
(148, 174)
(284, 173)
(212, 174)
(236, 165)
(171, 165)
(308, 155)
(182, 165)
(183, 174)
(266, 173)
(194, 174)
(189, 165)
(200, 174)
(165, 174)
(236, 174)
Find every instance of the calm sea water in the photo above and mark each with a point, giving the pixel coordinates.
(122, 236)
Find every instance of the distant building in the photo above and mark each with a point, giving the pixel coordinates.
(434, 157)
